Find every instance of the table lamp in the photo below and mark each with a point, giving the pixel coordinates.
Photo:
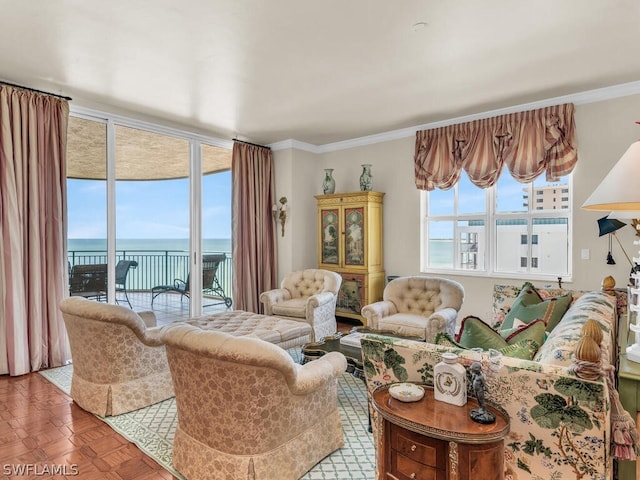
(619, 192)
(608, 226)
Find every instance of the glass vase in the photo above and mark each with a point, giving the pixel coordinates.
(329, 184)
(366, 180)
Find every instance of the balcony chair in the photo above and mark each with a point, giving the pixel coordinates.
(250, 411)
(210, 283)
(119, 361)
(122, 270)
(417, 305)
(307, 296)
(89, 281)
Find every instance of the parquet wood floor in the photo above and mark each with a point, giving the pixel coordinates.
(41, 427)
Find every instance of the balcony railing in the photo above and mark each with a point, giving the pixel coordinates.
(155, 267)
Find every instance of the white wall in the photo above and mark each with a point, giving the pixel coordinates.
(604, 131)
(296, 179)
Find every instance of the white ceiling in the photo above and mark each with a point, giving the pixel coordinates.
(316, 72)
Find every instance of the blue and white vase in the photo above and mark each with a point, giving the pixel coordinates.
(329, 184)
(366, 180)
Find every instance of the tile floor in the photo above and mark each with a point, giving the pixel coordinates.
(169, 307)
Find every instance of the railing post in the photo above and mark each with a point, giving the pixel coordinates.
(166, 267)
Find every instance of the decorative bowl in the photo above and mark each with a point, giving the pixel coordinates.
(406, 392)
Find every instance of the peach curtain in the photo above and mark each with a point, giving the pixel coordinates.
(528, 143)
(33, 265)
(254, 234)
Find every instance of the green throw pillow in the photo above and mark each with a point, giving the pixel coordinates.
(443, 338)
(475, 333)
(532, 331)
(530, 306)
(524, 349)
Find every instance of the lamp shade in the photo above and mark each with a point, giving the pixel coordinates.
(608, 225)
(619, 189)
(625, 214)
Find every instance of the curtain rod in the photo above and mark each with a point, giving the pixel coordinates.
(35, 90)
(254, 144)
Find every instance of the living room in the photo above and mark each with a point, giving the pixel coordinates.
(606, 120)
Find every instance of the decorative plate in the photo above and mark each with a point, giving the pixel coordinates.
(406, 392)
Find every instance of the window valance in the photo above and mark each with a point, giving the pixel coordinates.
(528, 143)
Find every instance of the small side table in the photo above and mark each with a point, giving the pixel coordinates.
(629, 390)
(436, 440)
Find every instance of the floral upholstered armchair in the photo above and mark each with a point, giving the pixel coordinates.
(119, 364)
(418, 305)
(309, 296)
(246, 410)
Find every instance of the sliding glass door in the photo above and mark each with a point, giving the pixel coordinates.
(148, 203)
(151, 212)
(87, 207)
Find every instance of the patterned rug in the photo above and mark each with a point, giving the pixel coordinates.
(152, 429)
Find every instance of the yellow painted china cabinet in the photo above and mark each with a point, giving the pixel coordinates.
(350, 243)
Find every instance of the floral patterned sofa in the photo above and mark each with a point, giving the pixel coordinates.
(560, 423)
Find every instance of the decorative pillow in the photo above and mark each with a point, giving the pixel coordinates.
(524, 349)
(505, 332)
(530, 306)
(444, 339)
(532, 331)
(476, 333)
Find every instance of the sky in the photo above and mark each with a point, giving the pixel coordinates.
(472, 200)
(149, 209)
(160, 209)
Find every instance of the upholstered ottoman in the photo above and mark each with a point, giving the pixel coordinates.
(279, 331)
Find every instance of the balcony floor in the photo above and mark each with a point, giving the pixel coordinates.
(169, 307)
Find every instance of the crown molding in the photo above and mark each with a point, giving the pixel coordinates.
(581, 98)
(298, 145)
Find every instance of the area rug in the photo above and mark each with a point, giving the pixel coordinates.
(152, 429)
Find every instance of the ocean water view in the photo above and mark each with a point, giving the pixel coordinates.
(148, 244)
(441, 253)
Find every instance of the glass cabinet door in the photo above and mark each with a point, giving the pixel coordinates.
(330, 254)
(354, 236)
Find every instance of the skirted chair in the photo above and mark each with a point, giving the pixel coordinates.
(306, 295)
(246, 410)
(119, 361)
(421, 306)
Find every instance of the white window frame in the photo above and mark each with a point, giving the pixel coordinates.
(196, 141)
(490, 218)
